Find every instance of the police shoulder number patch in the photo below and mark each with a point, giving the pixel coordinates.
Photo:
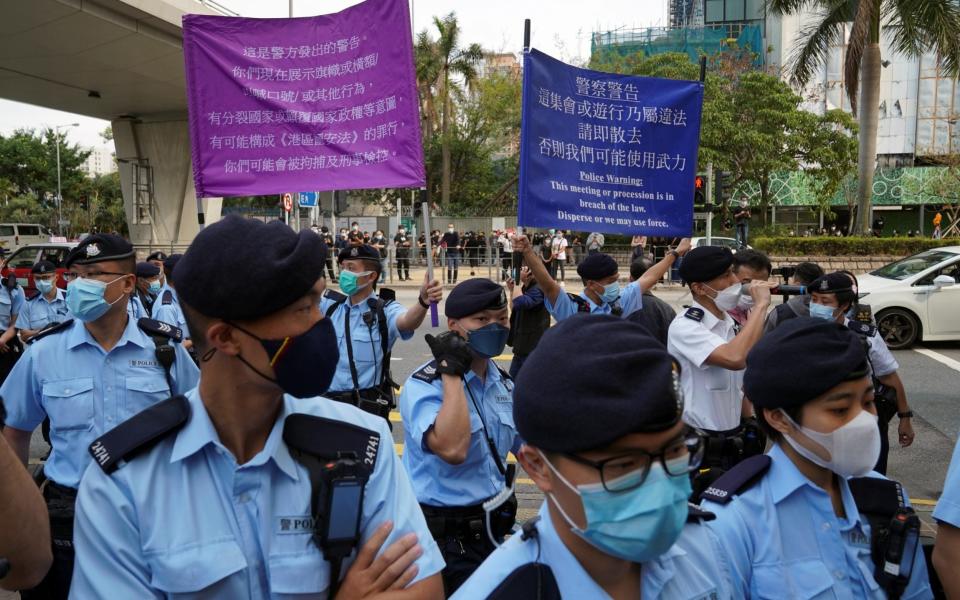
(694, 314)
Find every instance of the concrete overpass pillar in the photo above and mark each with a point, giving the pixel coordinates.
(156, 176)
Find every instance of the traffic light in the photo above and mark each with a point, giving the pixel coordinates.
(724, 185)
(699, 191)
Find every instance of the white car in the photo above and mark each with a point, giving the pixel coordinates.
(916, 298)
(726, 242)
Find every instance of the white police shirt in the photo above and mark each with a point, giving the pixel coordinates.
(712, 395)
(881, 359)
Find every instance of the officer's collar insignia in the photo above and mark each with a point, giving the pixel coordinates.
(93, 250)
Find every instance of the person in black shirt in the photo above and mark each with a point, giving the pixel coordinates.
(451, 241)
(656, 315)
(403, 242)
(328, 242)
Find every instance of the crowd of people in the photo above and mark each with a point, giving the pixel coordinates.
(237, 441)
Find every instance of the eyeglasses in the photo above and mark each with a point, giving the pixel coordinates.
(73, 275)
(629, 471)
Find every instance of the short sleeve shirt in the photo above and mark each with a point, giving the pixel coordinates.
(11, 303)
(631, 299)
(712, 394)
(39, 312)
(948, 506)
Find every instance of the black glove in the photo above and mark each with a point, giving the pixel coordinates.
(452, 353)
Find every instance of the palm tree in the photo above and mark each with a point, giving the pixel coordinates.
(441, 67)
(914, 27)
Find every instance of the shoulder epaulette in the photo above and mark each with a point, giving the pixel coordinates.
(696, 514)
(387, 295)
(154, 327)
(864, 329)
(140, 433)
(427, 372)
(694, 314)
(737, 479)
(334, 295)
(51, 329)
(582, 305)
(167, 297)
(329, 439)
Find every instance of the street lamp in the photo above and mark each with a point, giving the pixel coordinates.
(59, 193)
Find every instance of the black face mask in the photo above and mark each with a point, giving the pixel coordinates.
(304, 365)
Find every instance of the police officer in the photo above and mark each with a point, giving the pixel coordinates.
(712, 350)
(166, 308)
(88, 375)
(148, 285)
(833, 296)
(600, 273)
(12, 300)
(157, 259)
(613, 458)
(251, 486)
(810, 519)
(946, 554)
(47, 308)
(457, 415)
(368, 325)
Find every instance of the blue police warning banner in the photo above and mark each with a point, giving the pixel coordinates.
(607, 152)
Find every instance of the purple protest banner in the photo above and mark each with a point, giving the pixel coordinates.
(313, 103)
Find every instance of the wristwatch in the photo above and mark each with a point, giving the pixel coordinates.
(674, 253)
(905, 415)
(422, 303)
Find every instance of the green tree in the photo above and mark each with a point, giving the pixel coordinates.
(445, 69)
(914, 27)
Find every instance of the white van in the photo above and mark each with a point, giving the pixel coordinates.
(14, 235)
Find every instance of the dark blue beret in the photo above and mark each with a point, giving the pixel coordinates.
(831, 283)
(99, 247)
(170, 263)
(597, 266)
(621, 381)
(284, 264)
(800, 360)
(158, 255)
(472, 296)
(147, 270)
(704, 263)
(43, 267)
(361, 252)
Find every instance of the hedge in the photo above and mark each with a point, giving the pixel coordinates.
(847, 246)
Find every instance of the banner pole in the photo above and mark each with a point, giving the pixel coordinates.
(526, 35)
(518, 263)
(424, 207)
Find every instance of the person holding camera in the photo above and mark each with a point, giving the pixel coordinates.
(810, 519)
(803, 274)
(832, 297)
(457, 415)
(252, 485)
(368, 324)
(712, 351)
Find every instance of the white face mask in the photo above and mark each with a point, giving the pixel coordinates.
(849, 451)
(728, 298)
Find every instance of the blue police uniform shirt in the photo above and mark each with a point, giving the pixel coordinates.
(86, 391)
(11, 303)
(367, 348)
(38, 312)
(783, 540)
(948, 506)
(184, 520)
(631, 300)
(693, 568)
(437, 482)
(169, 313)
(137, 310)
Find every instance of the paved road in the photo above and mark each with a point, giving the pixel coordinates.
(931, 374)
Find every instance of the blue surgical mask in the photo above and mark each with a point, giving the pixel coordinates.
(43, 286)
(639, 524)
(611, 292)
(489, 340)
(85, 299)
(819, 311)
(348, 281)
(155, 287)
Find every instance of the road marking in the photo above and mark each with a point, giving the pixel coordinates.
(946, 360)
(923, 502)
(503, 357)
